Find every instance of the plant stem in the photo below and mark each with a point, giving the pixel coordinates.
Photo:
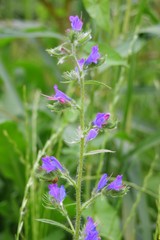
(68, 218)
(80, 164)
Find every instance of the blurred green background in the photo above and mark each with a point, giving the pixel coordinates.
(128, 32)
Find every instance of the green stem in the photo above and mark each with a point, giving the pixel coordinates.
(80, 165)
(68, 218)
(82, 143)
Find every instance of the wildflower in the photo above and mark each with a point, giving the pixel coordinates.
(102, 182)
(94, 56)
(116, 184)
(101, 119)
(76, 23)
(90, 231)
(91, 134)
(58, 193)
(59, 96)
(51, 164)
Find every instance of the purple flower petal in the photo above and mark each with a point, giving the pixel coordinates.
(51, 164)
(90, 231)
(81, 62)
(59, 96)
(94, 56)
(116, 184)
(102, 182)
(100, 119)
(91, 134)
(58, 193)
(76, 23)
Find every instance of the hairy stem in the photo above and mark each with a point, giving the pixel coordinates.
(81, 155)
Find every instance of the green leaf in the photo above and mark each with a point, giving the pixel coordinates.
(148, 143)
(98, 151)
(131, 46)
(99, 11)
(11, 34)
(11, 105)
(112, 57)
(11, 153)
(88, 82)
(48, 221)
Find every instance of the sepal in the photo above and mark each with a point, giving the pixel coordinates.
(124, 190)
(83, 37)
(58, 106)
(71, 76)
(111, 125)
(58, 51)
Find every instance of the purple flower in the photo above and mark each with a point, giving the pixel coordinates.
(81, 62)
(102, 182)
(100, 119)
(91, 134)
(94, 56)
(76, 23)
(90, 231)
(59, 96)
(51, 164)
(58, 193)
(116, 184)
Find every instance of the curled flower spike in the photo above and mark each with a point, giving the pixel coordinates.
(91, 134)
(90, 231)
(116, 184)
(94, 56)
(100, 119)
(58, 193)
(59, 96)
(102, 182)
(51, 164)
(76, 23)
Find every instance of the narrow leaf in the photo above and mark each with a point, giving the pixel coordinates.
(96, 83)
(98, 151)
(48, 221)
(12, 34)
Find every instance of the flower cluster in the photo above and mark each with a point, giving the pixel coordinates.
(51, 164)
(90, 231)
(116, 185)
(97, 124)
